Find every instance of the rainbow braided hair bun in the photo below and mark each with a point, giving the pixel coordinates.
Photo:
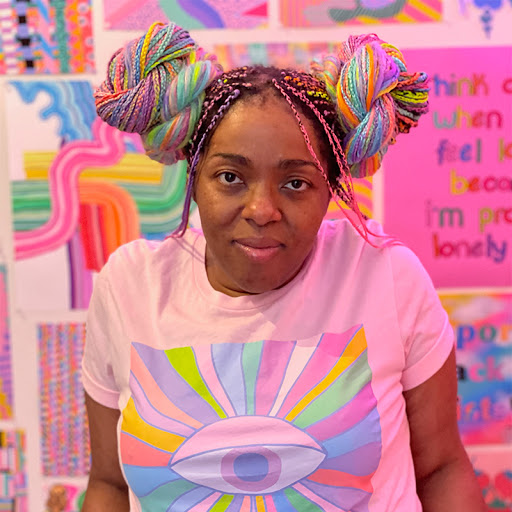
(156, 87)
(376, 98)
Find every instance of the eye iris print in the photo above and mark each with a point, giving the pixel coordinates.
(265, 426)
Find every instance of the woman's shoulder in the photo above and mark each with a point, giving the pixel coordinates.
(347, 239)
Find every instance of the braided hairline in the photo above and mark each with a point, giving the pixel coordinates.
(234, 93)
(220, 88)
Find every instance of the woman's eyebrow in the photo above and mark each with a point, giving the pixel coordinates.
(296, 162)
(233, 157)
(285, 165)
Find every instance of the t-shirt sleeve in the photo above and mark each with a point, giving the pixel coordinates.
(97, 372)
(426, 331)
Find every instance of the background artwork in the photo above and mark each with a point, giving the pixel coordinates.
(13, 478)
(45, 36)
(64, 497)
(494, 472)
(189, 14)
(315, 13)
(483, 328)
(79, 190)
(6, 401)
(487, 11)
(458, 191)
(64, 432)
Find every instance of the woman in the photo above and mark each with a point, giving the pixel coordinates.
(272, 361)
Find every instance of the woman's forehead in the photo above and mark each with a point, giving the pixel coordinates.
(271, 120)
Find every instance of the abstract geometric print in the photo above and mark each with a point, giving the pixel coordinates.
(46, 36)
(261, 426)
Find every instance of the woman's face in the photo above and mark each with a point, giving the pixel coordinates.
(260, 196)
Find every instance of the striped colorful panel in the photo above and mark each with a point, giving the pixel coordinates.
(316, 13)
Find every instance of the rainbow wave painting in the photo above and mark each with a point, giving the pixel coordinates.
(86, 190)
(189, 14)
(323, 13)
(278, 426)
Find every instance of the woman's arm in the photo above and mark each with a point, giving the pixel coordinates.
(107, 490)
(445, 478)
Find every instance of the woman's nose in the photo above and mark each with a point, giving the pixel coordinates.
(262, 205)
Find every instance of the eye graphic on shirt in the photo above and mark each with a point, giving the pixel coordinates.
(252, 465)
(262, 426)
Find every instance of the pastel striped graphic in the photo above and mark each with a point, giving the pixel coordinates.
(269, 425)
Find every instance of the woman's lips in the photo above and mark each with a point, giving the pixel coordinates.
(259, 250)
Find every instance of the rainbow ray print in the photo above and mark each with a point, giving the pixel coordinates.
(248, 427)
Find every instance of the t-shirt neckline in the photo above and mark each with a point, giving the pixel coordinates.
(243, 302)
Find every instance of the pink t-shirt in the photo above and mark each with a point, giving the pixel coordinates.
(287, 400)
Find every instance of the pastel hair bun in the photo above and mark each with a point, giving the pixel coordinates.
(376, 97)
(156, 87)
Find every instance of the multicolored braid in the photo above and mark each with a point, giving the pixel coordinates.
(376, 98)
(156, 86)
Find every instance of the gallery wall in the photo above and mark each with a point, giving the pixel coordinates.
(445, 189)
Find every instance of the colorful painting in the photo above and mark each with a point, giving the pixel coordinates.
(46, 36)
(487, 11)
(13, 478)
(456, 169)
(80, 189)
(483, 329)
(64, 433)
(322, 13)
(6, 403)
(493, 468)
(189, 14)
(65, 497)
(270, 421)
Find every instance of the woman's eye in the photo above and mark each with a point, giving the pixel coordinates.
(228, 178)
(298, 185)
